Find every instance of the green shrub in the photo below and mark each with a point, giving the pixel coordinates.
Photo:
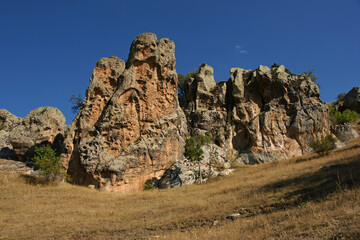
(275, 65)
(346, 116)
(323, 145)
(311, 76)
(149, 186)
(193, 74)
(47, 162)
(193, 151)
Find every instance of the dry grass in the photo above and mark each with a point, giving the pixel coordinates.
(292, 199)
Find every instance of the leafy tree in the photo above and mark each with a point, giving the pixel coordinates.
(193, 151)
(323, 145)
(346, 116)
(48, 163)
(77, 103)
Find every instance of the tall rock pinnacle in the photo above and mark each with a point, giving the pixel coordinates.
(131, 126)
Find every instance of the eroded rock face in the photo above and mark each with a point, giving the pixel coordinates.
(8, 120)
(264, 114)
(136, 131)
(103, 83)
(20, 136)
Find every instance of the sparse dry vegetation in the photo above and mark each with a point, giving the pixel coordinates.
(315, 198)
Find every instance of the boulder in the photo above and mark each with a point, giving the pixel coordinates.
(352, 100)
(6, 149)
(43, 124)
(20, 136)
(215, 162)
(8, 120)
(345, 132)
(137, 130)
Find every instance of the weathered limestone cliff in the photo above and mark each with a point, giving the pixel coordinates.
(263, 114)
(130, 127)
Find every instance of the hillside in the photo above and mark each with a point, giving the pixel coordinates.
(302, 198)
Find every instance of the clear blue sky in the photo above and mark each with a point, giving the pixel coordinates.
(49, 48)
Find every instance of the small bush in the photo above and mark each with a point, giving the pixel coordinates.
(346, 116)
(149, 186)
(275, 65)
(310, 75)
(323, 145)
(47, 162)
(1, 128)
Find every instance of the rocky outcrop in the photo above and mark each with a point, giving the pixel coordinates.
(103, 84)
(8, 121)
(20, 136)
(264, 114)
(215, 162)
(345, 132)
(130, 127)
(352, 100)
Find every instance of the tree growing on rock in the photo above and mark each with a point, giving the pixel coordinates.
(77, 103)
(193, 151)
(310, 75)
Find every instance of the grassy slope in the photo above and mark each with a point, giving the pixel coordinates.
(292, 199)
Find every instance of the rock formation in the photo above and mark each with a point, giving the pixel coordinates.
(352, 100)
(264, 114)
(19, 136)
(130, 127)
